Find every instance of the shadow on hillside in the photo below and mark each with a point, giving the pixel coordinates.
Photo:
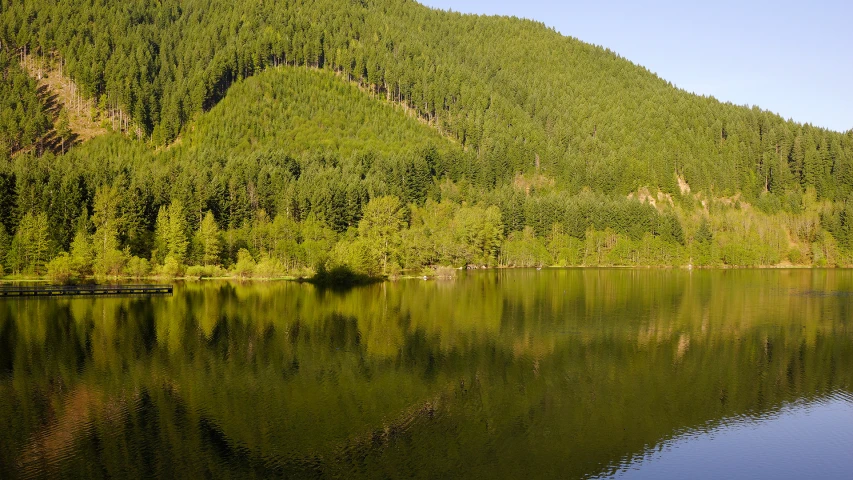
(52, 141)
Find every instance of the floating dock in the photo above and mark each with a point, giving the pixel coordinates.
(87, 290)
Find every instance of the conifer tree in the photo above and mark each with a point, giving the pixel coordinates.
(29, 249)
(208, 238)
(5, 241)
(162, 235)
(178, 240)
(108, 258)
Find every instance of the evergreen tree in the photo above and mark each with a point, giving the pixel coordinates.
(178, 240)
(108, 258)
(162, 235)
(5, 243)
(208, 239)
(29, 248)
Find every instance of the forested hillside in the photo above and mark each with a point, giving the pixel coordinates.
(23, 116)
(458, 139)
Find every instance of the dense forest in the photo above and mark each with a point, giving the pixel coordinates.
(24, 118)
(274, 138)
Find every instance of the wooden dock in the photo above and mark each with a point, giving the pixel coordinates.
(87, 290)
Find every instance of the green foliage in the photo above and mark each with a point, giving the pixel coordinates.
(137, 267)
(480, 231)
(245, 266)
(703, 252)
(81, 253)
(340, 276)
(269, 267)
(565, 249)
(492, 97)
(108, 258)
(670, 229)
(380, 227)
(177, 241)
(397, 148)
(704, 235)
(24, 120)
(29, 249)
(768, 203)
(524, 249)
(208, 240)
(171, 267)
(796, 257)
(5, 243)
(172, 239)
(62, 268)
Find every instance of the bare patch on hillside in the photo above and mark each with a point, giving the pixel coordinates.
(528, 182)
(76, 118)
(644, 195)
(683, 186)
(61, 94)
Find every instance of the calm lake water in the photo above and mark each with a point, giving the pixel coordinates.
(507, 374)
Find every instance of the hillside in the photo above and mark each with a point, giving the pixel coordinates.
(290, 138)
(494, 140)
(512, 90)
(24, 116)
(298, 110)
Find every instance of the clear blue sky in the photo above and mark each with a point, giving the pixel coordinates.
(793, 58)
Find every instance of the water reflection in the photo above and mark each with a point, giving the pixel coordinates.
(563, 373)
(801, 440)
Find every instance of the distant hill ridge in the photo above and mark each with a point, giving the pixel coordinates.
(517, 93)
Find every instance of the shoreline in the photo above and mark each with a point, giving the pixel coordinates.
(409, 276)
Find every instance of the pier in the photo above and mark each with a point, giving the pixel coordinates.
(86, 290)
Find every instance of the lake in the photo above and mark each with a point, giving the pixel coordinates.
(562, 373)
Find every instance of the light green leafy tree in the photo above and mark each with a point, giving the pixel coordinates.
(61, 268)
(481, 231)
(245, 265)
(381, 223)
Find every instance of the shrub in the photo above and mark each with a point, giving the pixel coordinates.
(245, 266)
(110, 262)
(195, 271)
(171, 267)
(341, 276)
(269, 267)
(796, 257)
(137, 267)
(204, 271)
(445, 272)
(61, 269)
(394, 269)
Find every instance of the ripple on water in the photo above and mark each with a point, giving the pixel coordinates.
(800, 440)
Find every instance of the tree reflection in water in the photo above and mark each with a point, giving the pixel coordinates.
(554, 373)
